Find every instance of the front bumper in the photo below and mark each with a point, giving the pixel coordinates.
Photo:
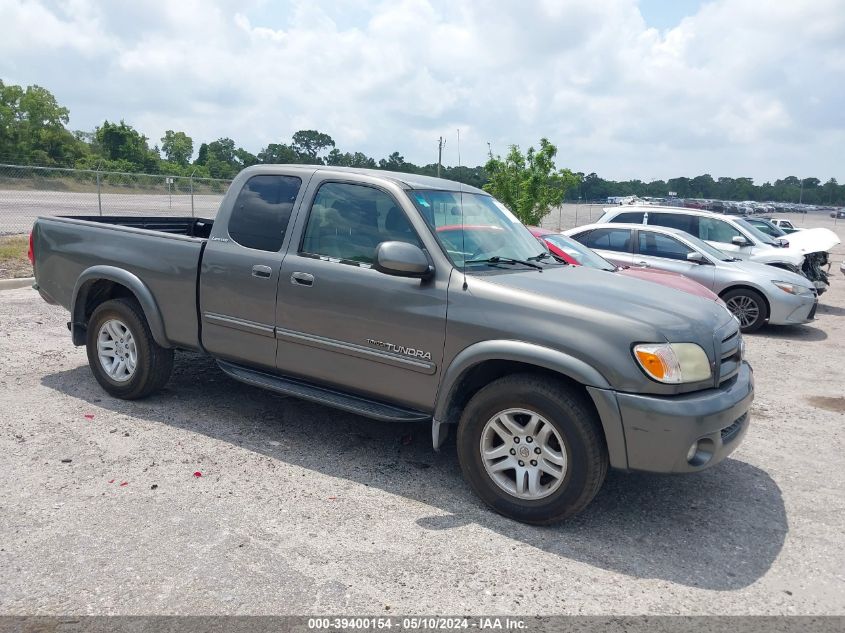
(659, 430)
(787, 309)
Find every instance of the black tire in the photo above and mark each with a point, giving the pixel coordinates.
(745, 295)
(154, 363)
(574, 420)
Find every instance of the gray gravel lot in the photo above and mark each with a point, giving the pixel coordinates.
(302, 509)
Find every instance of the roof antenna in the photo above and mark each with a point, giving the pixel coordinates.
(463, 236)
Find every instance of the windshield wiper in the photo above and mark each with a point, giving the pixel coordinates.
(505, 260)
(542, 255)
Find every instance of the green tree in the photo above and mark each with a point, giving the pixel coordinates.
(395, 162)
(202, 155)
(309, 144)
(178, 147)
(220, 158)
(529, 184)
(278, 154)
(122, 142)
(32, 127)
(346, 159)
(245, 158)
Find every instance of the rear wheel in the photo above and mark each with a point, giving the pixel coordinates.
(748, 306)
(532, 448)
(124, 357)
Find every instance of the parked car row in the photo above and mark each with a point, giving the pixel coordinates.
(755, 293)
(804, 252)
(729, 207)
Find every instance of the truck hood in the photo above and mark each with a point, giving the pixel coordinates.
(605, 296)
(812, 240)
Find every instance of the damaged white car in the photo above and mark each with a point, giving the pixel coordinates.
(805, 252)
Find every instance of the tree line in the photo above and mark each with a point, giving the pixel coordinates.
(789, 189)
(33, 131)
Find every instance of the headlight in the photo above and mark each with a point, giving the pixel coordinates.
(673, 363)
(793, 289)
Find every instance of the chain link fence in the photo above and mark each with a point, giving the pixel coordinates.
(29, 192)
(569, 215)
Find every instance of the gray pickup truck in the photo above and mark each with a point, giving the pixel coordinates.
(407, 298)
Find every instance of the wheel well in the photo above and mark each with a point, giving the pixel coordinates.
(482, 374)
(752, 288)
(101, 291)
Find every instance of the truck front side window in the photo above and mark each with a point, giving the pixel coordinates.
(348, 221)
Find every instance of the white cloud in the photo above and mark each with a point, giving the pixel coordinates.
(737, 89)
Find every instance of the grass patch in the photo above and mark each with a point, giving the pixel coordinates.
(13, 260)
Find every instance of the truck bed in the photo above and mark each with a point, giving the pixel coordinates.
(162, 253)
(190, 227)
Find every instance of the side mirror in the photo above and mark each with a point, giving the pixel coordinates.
(402, 259)
(697, 258)
(739, 240)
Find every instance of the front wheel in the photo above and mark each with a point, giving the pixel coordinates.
(124, 357)
(532, 448)
(748, 306)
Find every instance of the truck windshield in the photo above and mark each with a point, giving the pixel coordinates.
(475, 228)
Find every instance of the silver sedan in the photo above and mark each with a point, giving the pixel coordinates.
(755, 293)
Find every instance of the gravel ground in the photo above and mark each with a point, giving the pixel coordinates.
(302, 509)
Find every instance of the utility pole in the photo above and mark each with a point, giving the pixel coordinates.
(440, 145)
(459, 147)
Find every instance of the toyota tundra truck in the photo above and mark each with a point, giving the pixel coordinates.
(406, 298)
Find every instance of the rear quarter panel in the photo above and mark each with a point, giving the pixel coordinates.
(166, 264)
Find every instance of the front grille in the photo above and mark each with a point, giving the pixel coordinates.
(812, 314)
(730, 352)
(729, 432)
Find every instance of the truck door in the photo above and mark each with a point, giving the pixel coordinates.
(340, 322)
(240, 271)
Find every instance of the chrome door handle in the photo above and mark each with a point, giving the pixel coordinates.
(302, 279)
(643, 264)
(262, 271)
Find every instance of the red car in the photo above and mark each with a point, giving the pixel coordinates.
(575, 253)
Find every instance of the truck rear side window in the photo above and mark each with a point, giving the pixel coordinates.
(262, 211)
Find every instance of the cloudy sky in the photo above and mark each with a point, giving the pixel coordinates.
(628, 89)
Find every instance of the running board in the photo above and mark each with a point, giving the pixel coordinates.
(322, 395)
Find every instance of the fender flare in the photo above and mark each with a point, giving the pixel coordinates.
(597, 387)
(123, 277)
(518, 351)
